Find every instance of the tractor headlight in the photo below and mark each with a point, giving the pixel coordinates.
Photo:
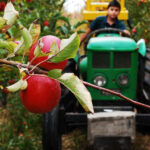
(100, 81)
(123, 80)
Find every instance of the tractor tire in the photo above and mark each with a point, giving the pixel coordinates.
(51, 138)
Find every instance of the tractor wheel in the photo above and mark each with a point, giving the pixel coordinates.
(51, 136)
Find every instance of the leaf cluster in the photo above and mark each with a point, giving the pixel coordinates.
(140, 17)
(47, 10)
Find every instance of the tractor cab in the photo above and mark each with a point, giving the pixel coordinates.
(112, 62)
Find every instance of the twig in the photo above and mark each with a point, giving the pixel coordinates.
(12, 63)
(40, 71)
(37, 65)
(43, 61)
(117, 94)
(30, 62)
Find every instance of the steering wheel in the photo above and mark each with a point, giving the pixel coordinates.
(103, 30)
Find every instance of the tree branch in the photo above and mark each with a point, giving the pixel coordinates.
(117, 94)
(41, 71)
(12, 63)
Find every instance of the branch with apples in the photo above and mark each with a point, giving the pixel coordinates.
(40, 77)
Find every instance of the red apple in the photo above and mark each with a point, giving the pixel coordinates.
(46, 23)
(5, 90)
(145, 41)
(42, 94)
(133, 30)
(12, 81)
(2, 5)
(47, 41)
(139, 3)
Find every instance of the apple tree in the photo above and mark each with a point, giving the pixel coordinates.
(54, 51)
(140, 17)
(51, 22)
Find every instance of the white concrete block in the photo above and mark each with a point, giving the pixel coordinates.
(116, 123)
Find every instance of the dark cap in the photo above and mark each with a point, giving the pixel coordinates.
(114, 3)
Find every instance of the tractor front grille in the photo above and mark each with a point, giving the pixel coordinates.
(122, 59)
(101, 60)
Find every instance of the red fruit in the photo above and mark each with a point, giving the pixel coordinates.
(139, 3)
(47, 41)
(2, 6)
(5, 91)
(20, 134)
(42, 94)
(24, 123)
(133, 30)
(145, 41)
(46, 23)
(12, 81)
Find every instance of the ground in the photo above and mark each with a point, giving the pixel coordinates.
(76, 140)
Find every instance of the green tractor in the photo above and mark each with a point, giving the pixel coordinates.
(111, 61)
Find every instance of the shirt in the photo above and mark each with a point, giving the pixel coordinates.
(101, 22)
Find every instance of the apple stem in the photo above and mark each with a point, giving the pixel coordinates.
(28, 77)
(37, 65)
(23, 57)
(14, 64)
(42, 62)
(31, 61)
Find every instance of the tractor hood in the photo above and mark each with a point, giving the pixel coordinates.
(112, 44)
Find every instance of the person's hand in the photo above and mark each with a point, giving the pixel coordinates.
(126, 33)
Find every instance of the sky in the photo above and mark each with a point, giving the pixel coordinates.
(72, 6)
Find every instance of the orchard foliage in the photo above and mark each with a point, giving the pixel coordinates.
(140, 17)
(55, 50)
(18, 126)
(49, 15)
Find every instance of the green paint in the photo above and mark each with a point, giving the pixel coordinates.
(111, 43)
(142, 47)
(111, 57)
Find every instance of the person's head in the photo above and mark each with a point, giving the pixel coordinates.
(113, 9)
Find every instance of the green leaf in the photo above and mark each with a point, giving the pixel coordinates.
(20, 85)
(56, 73)
(66, 20)
(79, 24)
(64, 30)
(54, 48)
(2, 22)
(75, 85)
(10, 14)
(14, 32)
(25, 42)
(38, 50)
(8, 45)
(35, 30)
(68, 49)
(81, 31)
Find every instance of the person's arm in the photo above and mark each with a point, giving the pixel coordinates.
(93, 26)
(126, 32)
(123, 28)
(83, 37)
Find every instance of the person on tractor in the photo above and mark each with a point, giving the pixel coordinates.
(109, 21)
